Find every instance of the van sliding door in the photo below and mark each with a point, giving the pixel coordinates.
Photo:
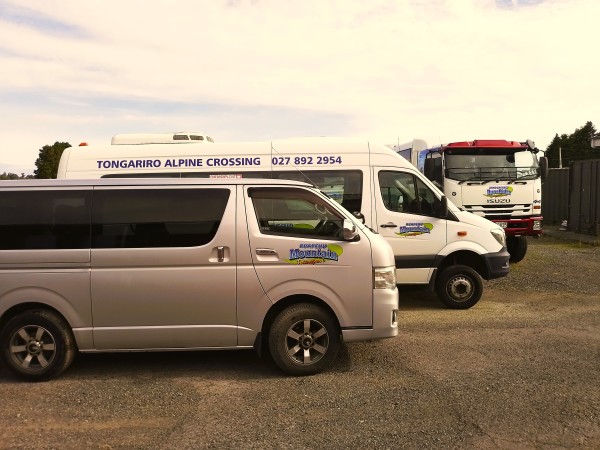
(163, 268)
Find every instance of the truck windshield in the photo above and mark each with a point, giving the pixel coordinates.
(490, 164)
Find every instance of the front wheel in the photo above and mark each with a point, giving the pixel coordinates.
(304, 339)
(37, 345)
(459, 287)
(517, 247)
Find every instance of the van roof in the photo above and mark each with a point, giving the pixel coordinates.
(321, 153)
(54, 183)
(177, 137)
(309, 145)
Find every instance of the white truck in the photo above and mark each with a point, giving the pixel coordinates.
(496, 179)
(434, 243)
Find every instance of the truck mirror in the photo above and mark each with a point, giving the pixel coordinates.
(430, 169)
(433, 170)
(543, 167)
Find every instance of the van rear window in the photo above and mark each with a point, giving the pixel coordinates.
(46, 219)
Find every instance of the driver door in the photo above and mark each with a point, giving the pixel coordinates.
(405, 215)
(297, 246)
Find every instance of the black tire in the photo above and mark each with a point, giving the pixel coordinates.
(304, 339)
(37, 345)
(517, 247)
(459, 287)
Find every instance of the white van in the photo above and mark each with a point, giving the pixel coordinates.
(139, 265)
(434, 242)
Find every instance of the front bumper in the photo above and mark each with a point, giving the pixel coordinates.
(497, 264)
(385, 318)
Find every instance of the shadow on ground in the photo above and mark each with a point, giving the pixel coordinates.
(418, 297)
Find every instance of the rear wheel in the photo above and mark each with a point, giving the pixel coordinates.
(517, 247)
(459, 287)
(304, 339)
(37, 345)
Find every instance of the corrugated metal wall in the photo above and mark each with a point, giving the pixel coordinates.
(584, 197)
(555, 196)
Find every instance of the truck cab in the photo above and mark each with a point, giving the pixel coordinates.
(496, 179)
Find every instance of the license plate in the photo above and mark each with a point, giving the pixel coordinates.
(502, 224)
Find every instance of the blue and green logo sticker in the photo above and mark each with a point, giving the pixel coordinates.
(415, 229)
(314, 254)
(499, 191)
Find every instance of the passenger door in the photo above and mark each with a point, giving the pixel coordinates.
(406, 216)
(297, 248)
(163, 268)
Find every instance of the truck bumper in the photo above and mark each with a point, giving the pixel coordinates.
(497, 264)
(531, 226)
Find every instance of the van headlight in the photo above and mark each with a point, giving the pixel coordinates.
(499, 235)
(384, 277)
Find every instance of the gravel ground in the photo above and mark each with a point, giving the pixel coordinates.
(518, 370)
(554, 266)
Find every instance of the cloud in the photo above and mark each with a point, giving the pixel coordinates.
(443, 70)
(30, 18)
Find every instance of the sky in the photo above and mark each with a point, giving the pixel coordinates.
(247, 70)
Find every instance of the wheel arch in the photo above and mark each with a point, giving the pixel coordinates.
(261, 342)
(75, 310)
(465, 258)
(29, 306)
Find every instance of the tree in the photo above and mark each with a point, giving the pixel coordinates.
(14, 176)
(47, 162)
(573, 147)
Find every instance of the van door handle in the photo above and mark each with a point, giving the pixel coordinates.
(265, 252)
(388, 225)
(220, 254)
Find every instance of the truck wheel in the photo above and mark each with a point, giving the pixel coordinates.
(37, 345)
(517, 247)
(304, 339)
(459, 287)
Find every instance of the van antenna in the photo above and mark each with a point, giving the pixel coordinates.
(273, 149)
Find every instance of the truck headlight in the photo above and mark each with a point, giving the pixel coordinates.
(499, 235)
(384, 277)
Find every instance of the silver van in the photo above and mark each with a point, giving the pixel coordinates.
(156, 264)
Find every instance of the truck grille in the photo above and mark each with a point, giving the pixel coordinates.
(497, 212)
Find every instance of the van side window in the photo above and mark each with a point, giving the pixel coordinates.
(138, 218)
(295, 212)
(344, 186)
(44, 220)
(403, 192)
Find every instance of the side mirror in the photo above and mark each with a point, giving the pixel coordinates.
(443, 209)
(349, 232)
(543, 167)
(360, 216)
